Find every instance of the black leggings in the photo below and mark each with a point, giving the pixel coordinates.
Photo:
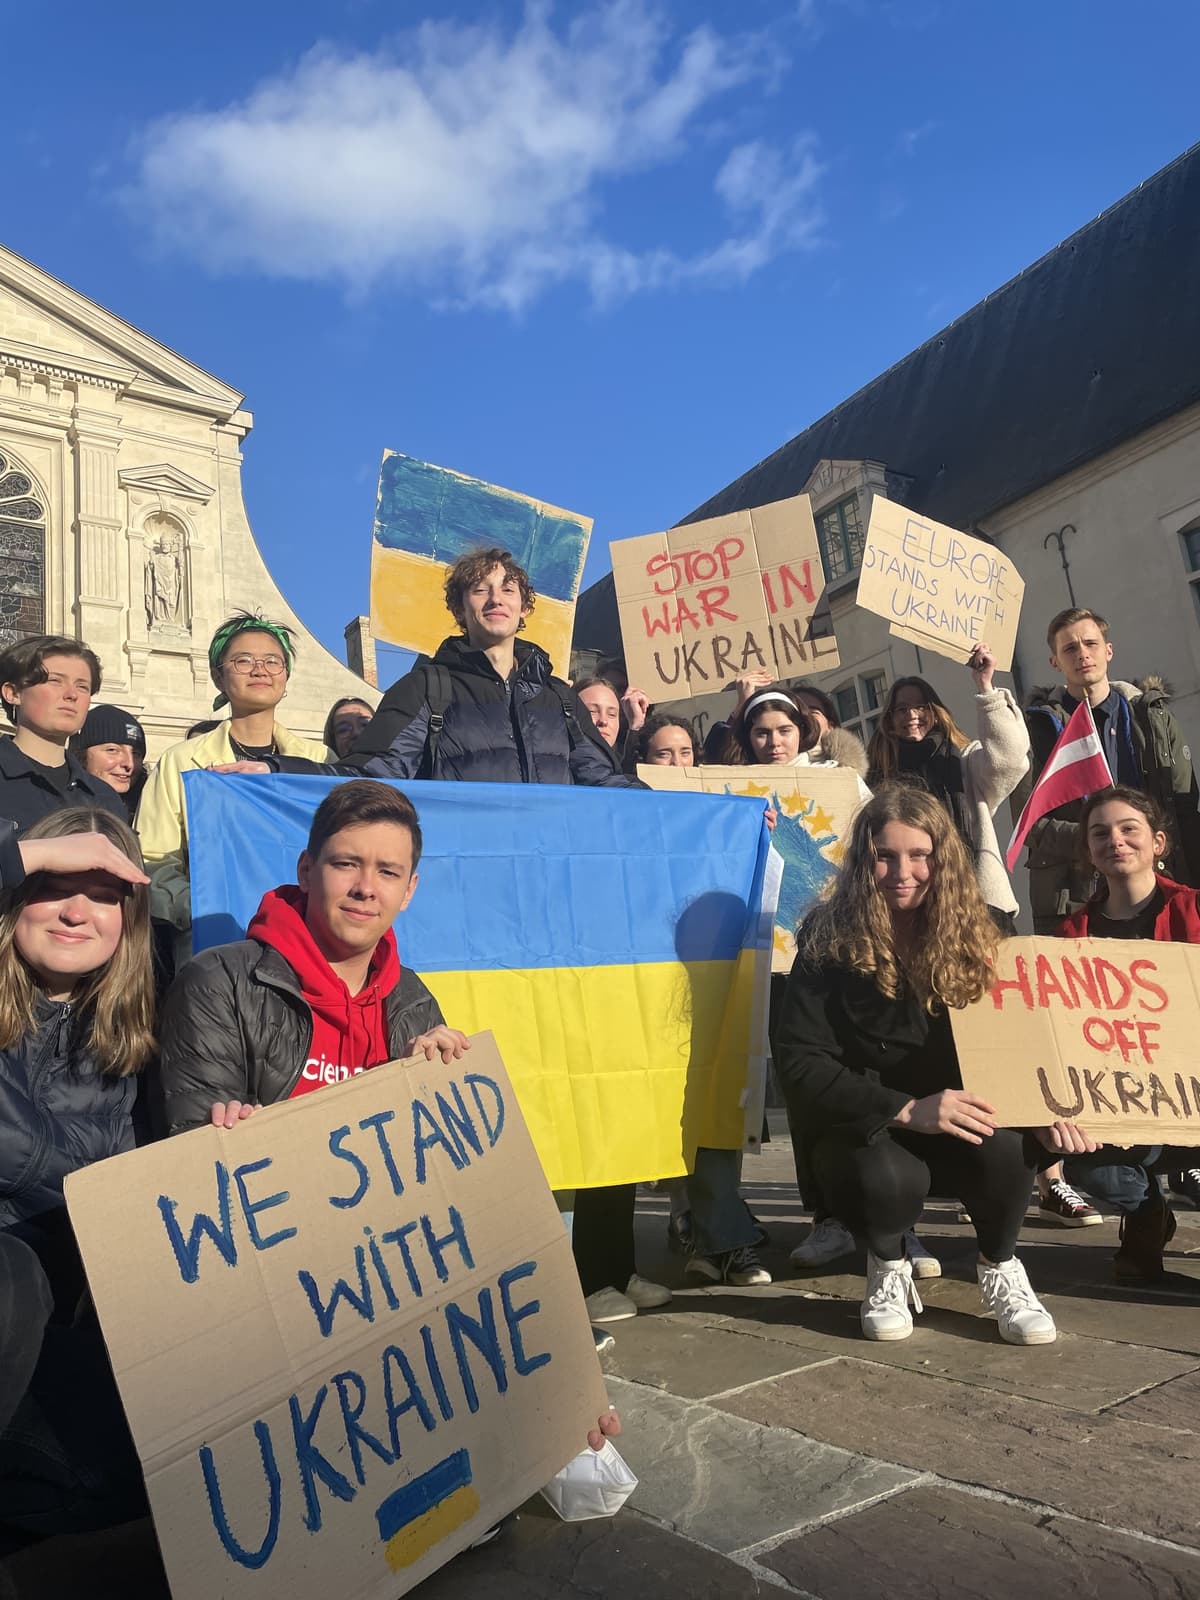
(880, 1188)
(602, 1236)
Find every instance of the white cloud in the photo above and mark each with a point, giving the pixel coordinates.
(475, 165)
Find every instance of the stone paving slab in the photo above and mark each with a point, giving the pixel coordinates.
(1172, 1405)
(730, 1483)
(694, 1356)
(1143, 1478)
(537, 1558)
(630, 1557)
(931, 1541)
(1084, 1374)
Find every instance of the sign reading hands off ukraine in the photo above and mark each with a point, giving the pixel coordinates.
(348, 1333)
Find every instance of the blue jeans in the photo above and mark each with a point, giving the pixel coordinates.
(1125, 1186)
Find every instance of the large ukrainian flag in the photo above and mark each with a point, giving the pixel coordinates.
(613, 940)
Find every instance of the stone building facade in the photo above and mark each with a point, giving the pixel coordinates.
(121, 513)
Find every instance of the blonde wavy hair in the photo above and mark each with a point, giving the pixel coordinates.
(883, 752)
(115, 1003)
(950, 961)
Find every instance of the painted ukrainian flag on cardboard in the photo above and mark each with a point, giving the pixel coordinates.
(614, 941)
(426, 517)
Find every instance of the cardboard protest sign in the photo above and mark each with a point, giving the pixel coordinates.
(704, 603)
(939, 588)
(816, 806)
(426, 517)
(348, 1334)
(1101, 1032)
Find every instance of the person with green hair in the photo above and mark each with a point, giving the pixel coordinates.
(250, 660)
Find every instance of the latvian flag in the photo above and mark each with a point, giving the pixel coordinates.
(1077, 767)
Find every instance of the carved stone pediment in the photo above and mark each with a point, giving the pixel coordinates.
(165, 480)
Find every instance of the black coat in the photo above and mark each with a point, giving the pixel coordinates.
(236, 1027)
(58, 1112)
(26, 795)
(848, 1058)
(493, 732)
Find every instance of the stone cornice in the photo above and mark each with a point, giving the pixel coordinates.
(60, 363)
(165, 479)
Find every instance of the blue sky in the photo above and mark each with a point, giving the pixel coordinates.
(606, 255)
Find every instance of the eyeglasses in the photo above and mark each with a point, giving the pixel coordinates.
(246, 664)
(908, 711)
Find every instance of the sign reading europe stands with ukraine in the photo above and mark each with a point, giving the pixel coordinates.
(426, 517)
(348, 1333)
(937, 587)
(612, 939)
(708, 601)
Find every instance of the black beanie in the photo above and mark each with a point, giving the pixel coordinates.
(110, 725)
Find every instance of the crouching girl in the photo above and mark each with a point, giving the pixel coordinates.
(867, 1060)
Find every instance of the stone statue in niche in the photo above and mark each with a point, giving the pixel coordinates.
(165, 591)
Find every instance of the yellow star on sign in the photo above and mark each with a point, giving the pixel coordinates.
(793, 805)
(820, 822)
(758, 791)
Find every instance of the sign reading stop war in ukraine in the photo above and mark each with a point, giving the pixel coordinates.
(348, 1333)
(1098, 1031)
(705, 603)
(937, 587)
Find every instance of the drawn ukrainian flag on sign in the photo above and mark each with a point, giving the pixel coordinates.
(427, 516)
(612, 940)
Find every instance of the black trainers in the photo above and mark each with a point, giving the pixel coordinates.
(1067, 1207)
(1187, 1184)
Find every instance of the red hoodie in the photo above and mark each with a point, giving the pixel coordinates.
(349, 1030)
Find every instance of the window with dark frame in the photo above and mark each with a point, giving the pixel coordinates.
(840, 537)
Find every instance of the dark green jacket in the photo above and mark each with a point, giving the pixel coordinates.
(1060, 880)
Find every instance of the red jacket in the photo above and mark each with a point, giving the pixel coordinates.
(1177, 923)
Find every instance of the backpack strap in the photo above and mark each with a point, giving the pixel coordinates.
(575, 734)
(438, 694)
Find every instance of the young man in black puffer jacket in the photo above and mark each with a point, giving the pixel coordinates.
(486, 708)
(316, 994)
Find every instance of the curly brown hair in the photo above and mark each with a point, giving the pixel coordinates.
(950, 962)
(472, 568)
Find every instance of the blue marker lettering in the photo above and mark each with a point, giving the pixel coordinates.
(253, 1207)
(482, 1334)
(312, 1463)
(356, 1434)
(187, 1251)
(216, 1504)
(362, 1301)
(436, 1245)
(494, 1128)
(514, 1316)
(364, 1177)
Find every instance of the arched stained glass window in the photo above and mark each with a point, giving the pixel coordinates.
(22, 554)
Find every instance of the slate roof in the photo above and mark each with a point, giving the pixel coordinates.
(1092, 344)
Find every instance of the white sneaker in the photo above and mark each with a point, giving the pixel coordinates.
(890, 1292)
(645, 1295)
(609, 1305)
(924, 1263)
(827, 1240)
(1008, 1296)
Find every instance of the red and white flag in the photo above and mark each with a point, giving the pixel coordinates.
(1077, 767)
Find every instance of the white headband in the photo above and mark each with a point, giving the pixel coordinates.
(767, 694)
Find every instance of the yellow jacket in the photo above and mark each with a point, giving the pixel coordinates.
(161, 824)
